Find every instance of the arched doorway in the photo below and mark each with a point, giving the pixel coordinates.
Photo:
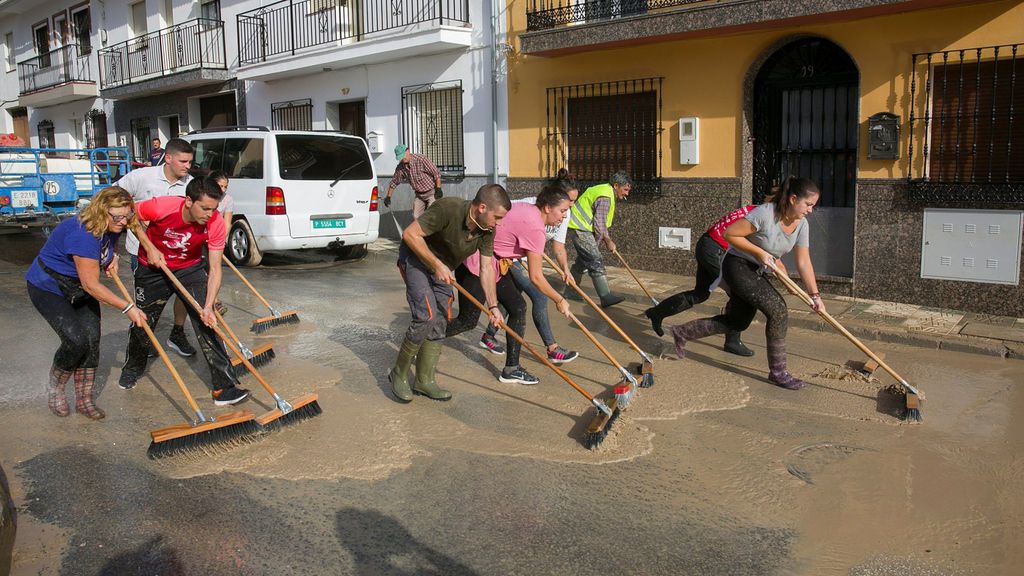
(805, 124)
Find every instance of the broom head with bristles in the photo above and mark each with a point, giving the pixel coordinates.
(261, 356)
(598, 429)
(624, 392)
(913, 408)
(263, 324)
(646, 372)
(223, 432)
(303, 408)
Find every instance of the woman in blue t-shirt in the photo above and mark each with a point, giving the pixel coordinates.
(64, 286)
(756, 243)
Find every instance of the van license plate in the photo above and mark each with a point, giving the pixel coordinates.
(23, 198)
(328, 224)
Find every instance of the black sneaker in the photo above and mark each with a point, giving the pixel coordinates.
(127, 380)
(517, 375)
(179, 343)
(229, 396)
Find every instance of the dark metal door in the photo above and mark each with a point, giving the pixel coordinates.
(805, 124)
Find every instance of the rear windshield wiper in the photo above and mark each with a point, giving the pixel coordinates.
(347, 170)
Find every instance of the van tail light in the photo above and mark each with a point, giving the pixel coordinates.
(373, 199)
(275, 201)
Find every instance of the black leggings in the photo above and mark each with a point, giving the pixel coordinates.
(509, 297)
(750, 292)
(77, 326)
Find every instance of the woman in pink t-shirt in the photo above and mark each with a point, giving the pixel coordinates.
(520, 234)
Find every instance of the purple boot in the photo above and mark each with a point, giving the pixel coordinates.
(693, 330)
(777, 373)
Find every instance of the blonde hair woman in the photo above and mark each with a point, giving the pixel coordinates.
(64, 286)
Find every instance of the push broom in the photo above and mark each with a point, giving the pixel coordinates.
(259, 357)
(305, 406)
(606, 415)
(633, 274)
(624, 390)
(647, 365)
(203, 433)
(913, 395)
(276, 318)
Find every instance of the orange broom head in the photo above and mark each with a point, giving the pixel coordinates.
(268, 322)
(226, 430)
(303, 407)
(261, 356)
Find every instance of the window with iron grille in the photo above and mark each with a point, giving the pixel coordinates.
(292, 115)
(595, 130)
(46, 135)
(432, 124)
(965, 142)
(96, 129)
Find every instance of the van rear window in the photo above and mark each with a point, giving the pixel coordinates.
(322, 157)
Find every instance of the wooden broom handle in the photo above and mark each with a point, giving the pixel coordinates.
(220, 333)
(244, 280)
(519, 339)
(633, 274)
(596, 307)
(593, 339)
(796, 289)
(159, 349)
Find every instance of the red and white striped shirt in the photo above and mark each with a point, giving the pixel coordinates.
(717, 229)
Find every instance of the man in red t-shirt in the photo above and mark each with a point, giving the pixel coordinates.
(180, 228)
(710, 250)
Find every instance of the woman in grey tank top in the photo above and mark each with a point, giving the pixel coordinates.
(756, 243)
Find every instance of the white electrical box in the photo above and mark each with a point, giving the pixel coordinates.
(675, 238)
(972, 245)
(689, 141)
(375, 142)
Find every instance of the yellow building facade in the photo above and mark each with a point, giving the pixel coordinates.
(779, 90)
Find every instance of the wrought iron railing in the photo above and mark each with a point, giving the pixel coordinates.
(595, 130)
(545, 14)
(56, 67)
(432, 124)
(965, 137)
(192, 45)
(288, 26)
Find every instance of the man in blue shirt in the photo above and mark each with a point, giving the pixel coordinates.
(156, 154)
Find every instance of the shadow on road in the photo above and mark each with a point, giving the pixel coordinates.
(152, 557)
(380, 546)
(8, 525)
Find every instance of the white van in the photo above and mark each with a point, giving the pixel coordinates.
(292, 189)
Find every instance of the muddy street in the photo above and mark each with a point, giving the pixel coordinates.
(711, 471)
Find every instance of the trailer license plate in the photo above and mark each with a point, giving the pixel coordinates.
(23, 198)
(328, 224)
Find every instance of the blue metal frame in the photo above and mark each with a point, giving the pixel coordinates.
(58, 194)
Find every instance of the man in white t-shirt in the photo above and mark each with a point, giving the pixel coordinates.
(167, 179)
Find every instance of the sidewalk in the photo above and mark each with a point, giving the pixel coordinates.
(868, 320)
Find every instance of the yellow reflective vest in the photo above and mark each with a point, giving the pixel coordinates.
(581, 215)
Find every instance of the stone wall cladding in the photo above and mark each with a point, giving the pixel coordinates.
(684, 20)
(694, 203)
(888, 256)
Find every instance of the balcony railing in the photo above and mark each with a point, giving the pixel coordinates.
(289, 26)
(61, 66)
(192, 45)
(545, 14)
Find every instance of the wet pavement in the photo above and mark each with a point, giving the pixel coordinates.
(711, 471)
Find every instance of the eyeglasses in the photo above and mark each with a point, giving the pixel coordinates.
(121, 217)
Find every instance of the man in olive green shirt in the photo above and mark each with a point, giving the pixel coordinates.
(432, 246)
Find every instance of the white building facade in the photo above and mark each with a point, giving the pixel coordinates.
(121, 72)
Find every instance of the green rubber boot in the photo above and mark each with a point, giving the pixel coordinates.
(608, 299)
(426, 366)
(399, 375)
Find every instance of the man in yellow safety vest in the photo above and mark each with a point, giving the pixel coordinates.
(589, 222)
